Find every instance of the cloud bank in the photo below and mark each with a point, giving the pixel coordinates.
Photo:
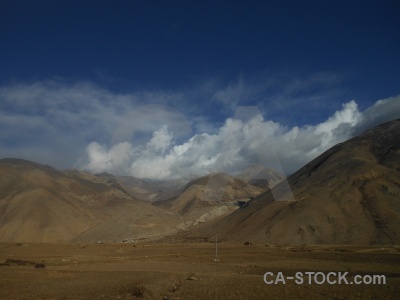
(164, 134)
(53, 122)
(237, 144)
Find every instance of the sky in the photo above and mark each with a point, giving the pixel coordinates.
(170, 89)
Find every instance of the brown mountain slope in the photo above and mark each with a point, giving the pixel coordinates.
(348, 195)
(135, 187)
(210, 196)
(41, 204)
(261, 176)
(151, 190)
(128, 184)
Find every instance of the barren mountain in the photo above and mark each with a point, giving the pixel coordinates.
(104, 178)
(135, 187)
(41, 204)
(152, 190)
(348, 195)
(210, 196)
(261, 176)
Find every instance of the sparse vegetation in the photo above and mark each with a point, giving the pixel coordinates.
(18, 262)
(161, 271)
(137, 292)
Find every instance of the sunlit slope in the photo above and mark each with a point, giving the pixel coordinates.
(41, 204)
(348, 195)
(210, 196)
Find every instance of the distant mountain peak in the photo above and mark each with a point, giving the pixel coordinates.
(261, 176)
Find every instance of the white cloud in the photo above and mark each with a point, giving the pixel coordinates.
(239, 142)
(59, 119)
(161, 140)
(142, 134)
(382, 111)
(114, 160)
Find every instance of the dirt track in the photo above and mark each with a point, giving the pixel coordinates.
(187, 271)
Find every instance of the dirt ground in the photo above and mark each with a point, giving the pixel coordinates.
(188, 271)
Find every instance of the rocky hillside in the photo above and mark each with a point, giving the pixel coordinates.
(208, 197)
(261, 176)
(41, 204)
(348, 195)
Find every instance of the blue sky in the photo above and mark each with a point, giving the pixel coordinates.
(120, 85)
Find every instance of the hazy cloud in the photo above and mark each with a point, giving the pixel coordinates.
(114, 160)
(150, 134)
(61, 119)
(238, 143)
(380, 112)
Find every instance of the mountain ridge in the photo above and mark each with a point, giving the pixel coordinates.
(350, 194)
(41, 204)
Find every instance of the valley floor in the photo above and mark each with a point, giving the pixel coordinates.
(188, 271)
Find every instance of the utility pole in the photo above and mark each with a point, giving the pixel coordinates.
(216, 247)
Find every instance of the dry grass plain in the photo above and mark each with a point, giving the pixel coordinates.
(187, 271)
